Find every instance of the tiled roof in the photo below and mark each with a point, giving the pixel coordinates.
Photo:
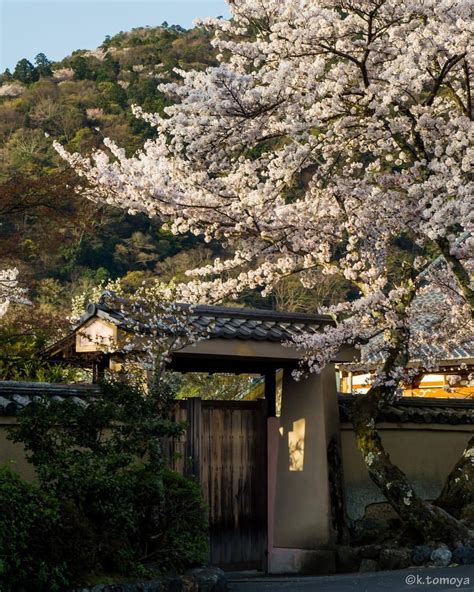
(418, 410)
(231, 323)
(15, 396)
(462, 353)
(428, 301)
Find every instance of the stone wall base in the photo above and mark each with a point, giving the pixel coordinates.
(301, 561)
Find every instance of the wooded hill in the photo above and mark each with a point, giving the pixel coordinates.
(63, 244)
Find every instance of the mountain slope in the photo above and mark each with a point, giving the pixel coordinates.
(63, 243)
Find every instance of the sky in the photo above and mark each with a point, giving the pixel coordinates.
(58, 27)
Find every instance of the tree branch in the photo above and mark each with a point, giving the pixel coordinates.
(459, 271)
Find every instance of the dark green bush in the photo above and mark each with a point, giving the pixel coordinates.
(20, 358)
(29, 524)
(183, 540)
(121, 511)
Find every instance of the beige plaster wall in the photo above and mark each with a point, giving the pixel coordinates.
(302, 512)
(426, 453)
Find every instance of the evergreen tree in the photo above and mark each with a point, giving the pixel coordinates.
(25, 72)
(109, 70)
(82, 69)
(43, 65)
(6, 76)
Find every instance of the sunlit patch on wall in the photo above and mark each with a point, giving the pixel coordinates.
(296, 445)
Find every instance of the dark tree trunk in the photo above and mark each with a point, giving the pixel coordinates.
(457, 496)
(431, 521)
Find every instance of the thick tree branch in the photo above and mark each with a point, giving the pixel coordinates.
(458, 491)
(448, 66)
(459, 271)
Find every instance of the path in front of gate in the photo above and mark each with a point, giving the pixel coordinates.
(453, 579)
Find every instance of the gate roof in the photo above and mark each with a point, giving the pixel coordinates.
(221, 322)
(238, 339)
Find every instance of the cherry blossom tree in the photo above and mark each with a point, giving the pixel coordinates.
(10, 291)
(331, 133)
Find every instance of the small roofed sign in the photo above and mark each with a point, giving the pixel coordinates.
(96, 336)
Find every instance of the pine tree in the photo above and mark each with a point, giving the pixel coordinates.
(43, 65)
(25, 72)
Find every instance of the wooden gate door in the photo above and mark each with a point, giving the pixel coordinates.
(226, 444)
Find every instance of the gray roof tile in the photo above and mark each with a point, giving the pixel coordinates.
(228, 323)
(418, 410)
(15, 396)
(427, 300)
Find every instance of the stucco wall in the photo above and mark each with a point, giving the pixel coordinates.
(307, 423)
(426, 453)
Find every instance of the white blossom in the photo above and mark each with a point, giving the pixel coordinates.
(11, 89)
(10, 291)
(334, 128)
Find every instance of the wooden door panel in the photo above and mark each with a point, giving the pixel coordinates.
(227, 440)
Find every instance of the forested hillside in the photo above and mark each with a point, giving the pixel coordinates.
(65, 245)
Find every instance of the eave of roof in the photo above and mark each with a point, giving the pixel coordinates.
(15, 396)
(421, 410)
(228, 322)
(442, 366)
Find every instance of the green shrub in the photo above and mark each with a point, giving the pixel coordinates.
(184, 533)
(121, 511)
(29, 524)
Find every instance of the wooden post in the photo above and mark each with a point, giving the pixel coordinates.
(98, 369)
(193, 440)
(270, 393)
(95, 372)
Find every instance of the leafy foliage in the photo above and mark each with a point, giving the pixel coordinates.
(121, 510)
(21, 343)
(218, 386)
(25, 72)
(30, 369)
(28, 521)
(47, 230)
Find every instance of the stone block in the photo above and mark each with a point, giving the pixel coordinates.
(441, 557)
(394, 558)
(348, 559)
(463, 555)
(421, 554)
(367, 565)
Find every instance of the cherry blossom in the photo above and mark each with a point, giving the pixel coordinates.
(327, 131)
(10, 291)
(330, 133)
